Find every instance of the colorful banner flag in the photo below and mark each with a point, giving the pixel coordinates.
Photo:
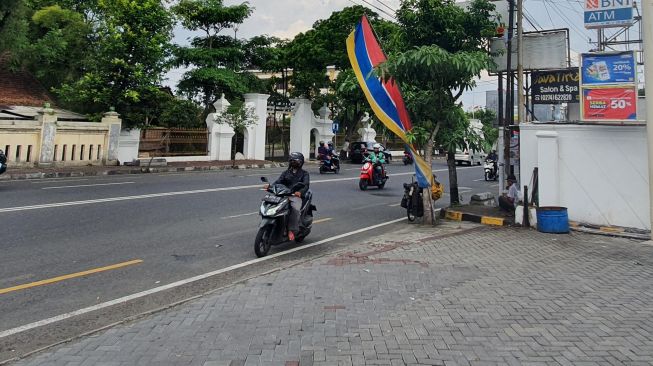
(386, 101)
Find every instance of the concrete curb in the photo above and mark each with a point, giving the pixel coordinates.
(610, 230)
(135, 170)
(453, 215)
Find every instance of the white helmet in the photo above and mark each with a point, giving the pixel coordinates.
(377, 146)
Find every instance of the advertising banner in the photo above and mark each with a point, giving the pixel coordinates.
(612, 104)
(608, 68)
(555, 87)
(608, 13)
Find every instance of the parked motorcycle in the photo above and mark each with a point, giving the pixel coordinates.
(408, 158)
(3, 162)
(331, 165)
(412, 201)
(275, 210)
(490, 170)
(368, 178)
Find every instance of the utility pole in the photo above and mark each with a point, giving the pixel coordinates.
(647, 19)
(510, 101)
(520, 62)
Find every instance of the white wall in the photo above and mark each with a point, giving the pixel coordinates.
(600, 173)
(128, 145)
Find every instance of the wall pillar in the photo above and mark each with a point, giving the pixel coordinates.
(220, 135)
(301, 126)
(48, 120)
(548, 168)
(254, 146)
(112, 141)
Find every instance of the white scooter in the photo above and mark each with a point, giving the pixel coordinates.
(490, 170)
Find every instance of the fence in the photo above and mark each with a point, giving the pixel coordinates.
(46, 141)
(174, 142)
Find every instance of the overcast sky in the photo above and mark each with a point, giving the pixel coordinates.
(286, 18)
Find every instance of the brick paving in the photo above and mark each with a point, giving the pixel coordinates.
(460, 294)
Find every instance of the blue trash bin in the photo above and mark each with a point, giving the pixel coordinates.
(552, 220)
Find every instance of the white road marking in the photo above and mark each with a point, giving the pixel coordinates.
(168, 194)
(241, 215)
(124, 299)
(59, 180)
(395, 205)
(89, 185)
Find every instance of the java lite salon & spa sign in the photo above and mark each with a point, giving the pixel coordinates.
(557, 86)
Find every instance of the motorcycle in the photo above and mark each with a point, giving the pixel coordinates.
(275, 211)
(490, 170)
(412, 201)
(368, 178)
(332, 165)
(408, 158)
(3, 162)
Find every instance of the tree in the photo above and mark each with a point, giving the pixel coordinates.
(490, 133)
(13, 27)
(309, 54)
(126, 62)
(445, 49)
(217, 60)
(59, 45)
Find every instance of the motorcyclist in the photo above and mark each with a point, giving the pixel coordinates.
(494, 158)
(322, 151)
(378, 159)
(293, 175)
(331, 153)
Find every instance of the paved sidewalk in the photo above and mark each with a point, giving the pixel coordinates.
(460, 294)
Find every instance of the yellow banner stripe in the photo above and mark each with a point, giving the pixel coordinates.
(69, 276)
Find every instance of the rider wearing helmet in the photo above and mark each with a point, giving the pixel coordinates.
(331, 153)
(378, 159)
(293, 175)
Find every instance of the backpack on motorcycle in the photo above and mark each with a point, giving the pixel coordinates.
(416, 201)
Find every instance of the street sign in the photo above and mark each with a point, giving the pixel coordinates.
(608, 13)
(612, 104)
(335, 127)
(608, 68)
(555, 87)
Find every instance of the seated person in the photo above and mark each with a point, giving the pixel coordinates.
(508, 201)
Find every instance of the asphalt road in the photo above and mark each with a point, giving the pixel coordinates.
(157, 229)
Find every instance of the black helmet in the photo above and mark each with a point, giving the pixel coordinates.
(296, 160)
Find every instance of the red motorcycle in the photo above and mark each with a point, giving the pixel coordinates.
(369, 178)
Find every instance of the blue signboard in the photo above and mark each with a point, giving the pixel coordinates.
(608, 68)
(335, 127)
(608, 13)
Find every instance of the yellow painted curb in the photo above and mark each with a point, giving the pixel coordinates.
(488, 220)
(453, 215)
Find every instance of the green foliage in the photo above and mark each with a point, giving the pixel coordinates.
(238, 116)
(490, 133)
(309, 53)
(59, 46)
(181, 113)
(126, 61)
(13, 27)
(217, 60)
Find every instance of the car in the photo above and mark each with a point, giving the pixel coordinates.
(357, 150)
(469, 157)
(3, 162)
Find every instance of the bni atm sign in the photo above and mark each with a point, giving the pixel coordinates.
(608, 13)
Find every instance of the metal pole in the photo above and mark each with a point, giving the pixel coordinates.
(647, 19)
(500, 109)
(520, 62)
(510, 87)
